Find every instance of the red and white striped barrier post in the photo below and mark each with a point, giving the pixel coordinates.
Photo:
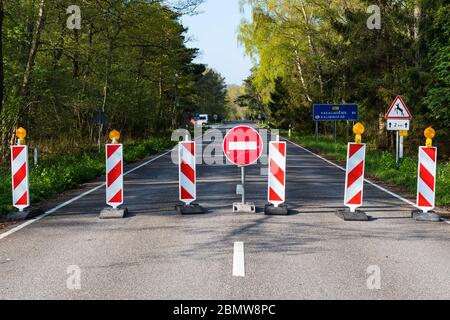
(187, 176)
(114, 178)
(426, 180)
(354, 178)
(276, 188)
(19, 171)
(187, 172)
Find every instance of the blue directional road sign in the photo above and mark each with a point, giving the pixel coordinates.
(335, 112)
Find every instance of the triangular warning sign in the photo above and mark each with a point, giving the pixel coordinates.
(398, 110)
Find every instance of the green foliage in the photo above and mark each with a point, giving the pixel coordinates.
(128, 60)
(211, 94)
(320, 51)
(438, 97)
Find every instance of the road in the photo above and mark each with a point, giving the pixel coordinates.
(157, 254)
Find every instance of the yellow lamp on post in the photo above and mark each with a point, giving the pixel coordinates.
(429, 133)
(358, 130)
(114, 136)
(21, 134)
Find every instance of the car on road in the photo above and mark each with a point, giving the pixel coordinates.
(202, 120)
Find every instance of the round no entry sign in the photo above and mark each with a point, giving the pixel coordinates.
(243, 145)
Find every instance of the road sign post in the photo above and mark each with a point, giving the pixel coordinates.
(243, 183)
(243, 146)
(317, 130)
(398, 119)
(354, 179)
(276, 188)
(114, 179)
(426, 181)
(397, 149)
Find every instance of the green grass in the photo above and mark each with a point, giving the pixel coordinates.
(381, 164)
(57, 173)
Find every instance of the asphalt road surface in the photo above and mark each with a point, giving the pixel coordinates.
(156, 253)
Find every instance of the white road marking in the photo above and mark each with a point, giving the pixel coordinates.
(238, 260)
(368, 181)
(243, 145)
(49, 212)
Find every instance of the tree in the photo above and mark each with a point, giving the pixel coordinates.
(437, 36)
(129, 60)
(319, 51)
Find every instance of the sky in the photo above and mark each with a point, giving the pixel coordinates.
(214, 31)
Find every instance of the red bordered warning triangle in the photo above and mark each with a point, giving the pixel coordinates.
(398, 110)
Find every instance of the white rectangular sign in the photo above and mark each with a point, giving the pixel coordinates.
(244, 145)
(397, 124)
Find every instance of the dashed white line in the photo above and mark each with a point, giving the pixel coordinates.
(238, 260)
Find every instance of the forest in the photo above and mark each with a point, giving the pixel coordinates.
(350, 51)
(74, 69)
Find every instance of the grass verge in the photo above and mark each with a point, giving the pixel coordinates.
(57, 173)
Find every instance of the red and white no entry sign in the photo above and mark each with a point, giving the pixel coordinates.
(242, 145)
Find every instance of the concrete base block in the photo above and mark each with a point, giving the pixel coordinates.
(193, 208)
(28, 213)
(430, 216)
(346, 215)
(271, 210)
(248, 207)
(111, 213)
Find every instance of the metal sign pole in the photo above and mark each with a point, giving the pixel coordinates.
(401, 147)
(317, 130)
(335, 133)
(397, 148)
(243, 183)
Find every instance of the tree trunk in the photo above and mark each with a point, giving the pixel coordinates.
(33, 50)
(417, 18)
(76, 55)
(302, 78)
(382, 135)
(1, 57)
(312, 48)
(106, 87)
(2, 124)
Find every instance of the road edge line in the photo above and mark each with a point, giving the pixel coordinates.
(50, 211)
(64, 204)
